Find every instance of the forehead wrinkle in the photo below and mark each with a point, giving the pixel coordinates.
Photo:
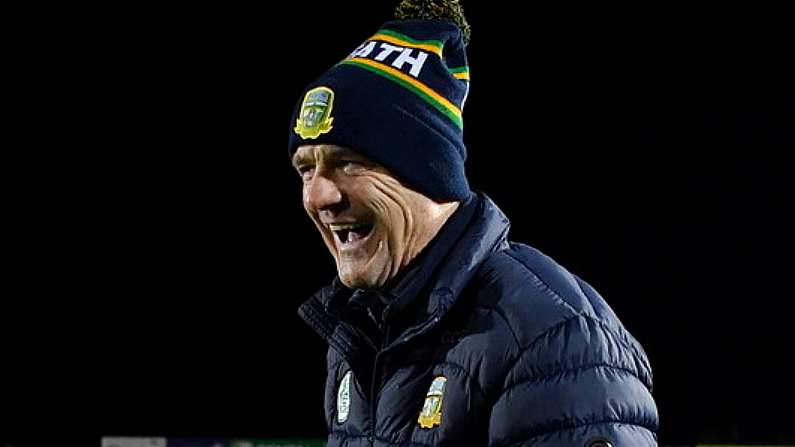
(336, 152)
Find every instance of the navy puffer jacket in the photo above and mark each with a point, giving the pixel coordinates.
(483, 342)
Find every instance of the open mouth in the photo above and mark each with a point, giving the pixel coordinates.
(349, 233)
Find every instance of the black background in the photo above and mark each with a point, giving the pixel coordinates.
(158, 248)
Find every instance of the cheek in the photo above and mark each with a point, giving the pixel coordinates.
(384, 196)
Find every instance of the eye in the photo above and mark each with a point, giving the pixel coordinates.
(306, 172)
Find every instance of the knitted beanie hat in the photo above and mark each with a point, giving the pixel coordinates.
(397, 99)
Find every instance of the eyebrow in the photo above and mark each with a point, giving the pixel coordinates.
(332, 154)
(302, 157)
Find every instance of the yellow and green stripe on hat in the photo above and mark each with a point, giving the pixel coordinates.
(430, 96)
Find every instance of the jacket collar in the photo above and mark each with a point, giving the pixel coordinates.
(419, 277)
(443, 269)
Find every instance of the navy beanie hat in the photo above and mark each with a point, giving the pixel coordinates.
(397, 99)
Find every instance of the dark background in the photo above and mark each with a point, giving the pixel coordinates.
(159, 250)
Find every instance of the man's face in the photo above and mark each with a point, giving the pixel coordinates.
(372, 224)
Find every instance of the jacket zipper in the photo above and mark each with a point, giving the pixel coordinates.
(374, 381)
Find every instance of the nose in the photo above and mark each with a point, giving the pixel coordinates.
(321, 193)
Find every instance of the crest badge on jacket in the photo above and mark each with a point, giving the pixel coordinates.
(431, 414)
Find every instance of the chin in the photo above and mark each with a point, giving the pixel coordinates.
(359, 280)
(356, 282)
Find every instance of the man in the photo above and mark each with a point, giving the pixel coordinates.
(440, 330)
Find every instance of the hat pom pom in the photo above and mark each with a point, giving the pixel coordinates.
(435, 9)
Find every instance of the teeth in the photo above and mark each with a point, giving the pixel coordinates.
(341, 227)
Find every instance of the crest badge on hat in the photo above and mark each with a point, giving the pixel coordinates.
(431, 414)
(315, 117)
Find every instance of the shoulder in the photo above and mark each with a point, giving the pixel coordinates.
(558, 320)
(574, 358)
(533, 287)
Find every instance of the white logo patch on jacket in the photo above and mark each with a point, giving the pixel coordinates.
(344, 398)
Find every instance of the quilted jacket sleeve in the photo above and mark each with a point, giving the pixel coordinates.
(581, 381)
